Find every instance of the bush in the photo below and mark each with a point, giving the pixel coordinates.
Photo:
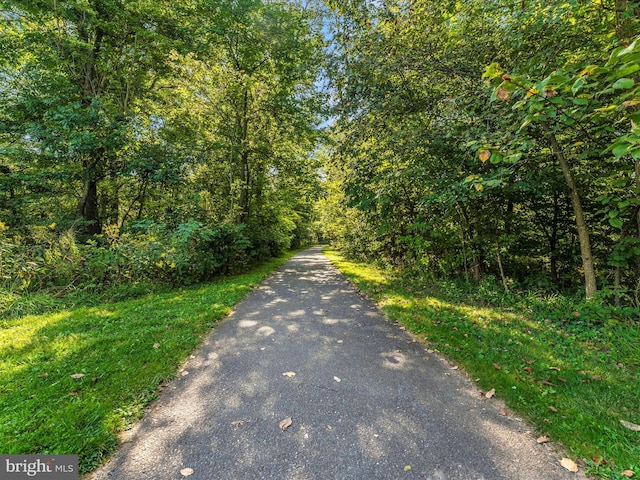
(146, 252)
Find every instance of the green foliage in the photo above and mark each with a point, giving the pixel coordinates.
(147, 252)
(451, 123)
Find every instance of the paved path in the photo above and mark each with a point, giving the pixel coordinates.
(366, 400)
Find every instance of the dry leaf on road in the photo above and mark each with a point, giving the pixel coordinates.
(490, 393)
(286, 423)
(337, 379)
(569, 464)
(185, 472)
(543, 439)
(630, 426)
(289, 374)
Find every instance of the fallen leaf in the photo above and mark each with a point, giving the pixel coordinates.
(569, 464)
(528, 369)
(631, 426)
(157, 345)
(502, 94)
(185, 472)
(430, 351)
(554, 368)
(547, 382)
(563, 380)
(340, 341)
(597, 377)
(44, 375)
(627, 473)
(503, 411)
(490, 393)
(337, 379)
(597, 461)
(454, 367)
(552, 408)
(184, 373)
(543, 439)
(237, 423)
(286, 423)
(73, 394)
(407, 468)
(77, 375)
(497, 367)
(289, 374)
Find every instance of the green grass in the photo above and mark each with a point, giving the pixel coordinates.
(537, 353)
(125, 350)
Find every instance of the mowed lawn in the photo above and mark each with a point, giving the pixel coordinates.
(72, 380)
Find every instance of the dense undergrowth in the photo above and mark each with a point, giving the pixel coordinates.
(569, 366)
(46, 269)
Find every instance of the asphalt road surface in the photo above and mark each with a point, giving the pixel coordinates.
(365, 400)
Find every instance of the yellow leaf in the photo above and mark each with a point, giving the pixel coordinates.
(484, 155)
(52, 226)
(569, 464)
(532, 92)
(407, 468)
(479, 187)
(606, 109)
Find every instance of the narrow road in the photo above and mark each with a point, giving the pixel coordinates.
(366, 401)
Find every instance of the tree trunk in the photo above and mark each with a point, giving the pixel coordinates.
(243, 201)
(581, 225)
(88, 207)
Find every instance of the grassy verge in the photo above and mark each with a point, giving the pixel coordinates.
(574, 374)
(70, 381)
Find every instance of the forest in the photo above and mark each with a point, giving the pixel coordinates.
(489, 147)
(467, 139)
(153, 141)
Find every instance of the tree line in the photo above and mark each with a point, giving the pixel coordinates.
(128, 129)
(489, 137)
